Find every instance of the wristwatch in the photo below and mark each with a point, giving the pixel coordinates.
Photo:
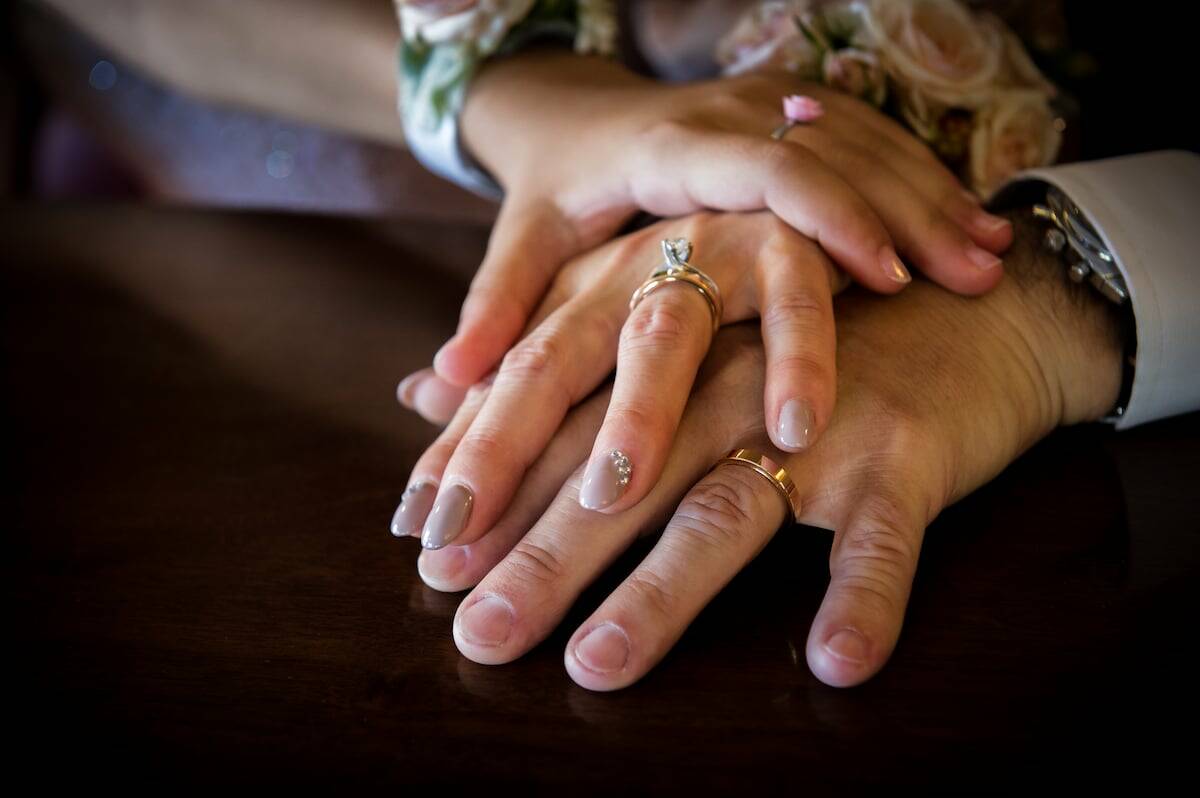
(1069, 235)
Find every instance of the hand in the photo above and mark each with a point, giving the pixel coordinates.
(580, 144)
(763, 268)
(938, 394)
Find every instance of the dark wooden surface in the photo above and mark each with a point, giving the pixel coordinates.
(202, 453)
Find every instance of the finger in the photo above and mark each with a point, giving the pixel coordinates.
(418, 498)
(852, 120)
(940, 247)
(530, 241)
(662, 344)
(521, 600)
(720, 526)
(539, 380)
(871, 567)
(431, 397)
(796, 301)
(682, 170)
(455, 568)
(940, 188)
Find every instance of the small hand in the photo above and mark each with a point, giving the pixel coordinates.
(764, 269)
(581, 144)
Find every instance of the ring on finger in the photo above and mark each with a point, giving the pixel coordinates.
(776, 474)
(676, 269)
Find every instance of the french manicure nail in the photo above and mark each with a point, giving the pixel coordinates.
(407, 388)
(487, 622)
(448, 517)
(604, 649)
(848, 645)
(893, 267)
(982, 258)
(605, 480)
(796, 424)
(414, 507)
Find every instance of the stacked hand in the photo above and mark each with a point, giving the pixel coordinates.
(937, 394)
(593, 144)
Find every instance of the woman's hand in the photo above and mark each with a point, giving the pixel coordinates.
(764, 269)
(581, 144)
(937, 395)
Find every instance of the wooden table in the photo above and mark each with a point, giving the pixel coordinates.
(203, 452)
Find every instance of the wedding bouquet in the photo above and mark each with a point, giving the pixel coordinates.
(961, 80)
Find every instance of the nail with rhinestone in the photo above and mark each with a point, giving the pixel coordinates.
(605, 480)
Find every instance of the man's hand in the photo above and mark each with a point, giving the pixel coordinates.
(938, 394)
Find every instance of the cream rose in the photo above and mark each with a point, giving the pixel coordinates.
(855, 72)
(937, 49)
(1016, 130)
(767, 38)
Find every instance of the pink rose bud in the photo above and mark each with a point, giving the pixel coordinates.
(801, 108)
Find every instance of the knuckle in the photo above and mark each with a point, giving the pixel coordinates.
(875, 554)
(639, 417)
(650, 592)
(801, 306)
(535, 563)
(803, 367)
(535, 360)
(665, 322)
(485, 445)
(717, 513)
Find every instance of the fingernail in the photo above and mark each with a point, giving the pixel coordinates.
(982, 258)
(604, 649)
(796, 423)
(606, 478)
(848, 645)
(414, 507)
(442, 564)
(970, 196)
(987, 223)
(893, 266)
(448, 517)
(408, 388)
(487, 622)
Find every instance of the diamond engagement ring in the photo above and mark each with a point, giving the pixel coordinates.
(676, 269)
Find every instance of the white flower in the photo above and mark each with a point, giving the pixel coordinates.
(597, 27)
(481, 22)
(1016, 130)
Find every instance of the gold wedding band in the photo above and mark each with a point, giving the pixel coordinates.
(678, 270)
(775, 473)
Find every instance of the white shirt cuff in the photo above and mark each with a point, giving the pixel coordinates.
(1146, 208)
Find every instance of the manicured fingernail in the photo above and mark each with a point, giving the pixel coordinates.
(604, 649)
(414, 507)
(442, 564)
(448, 517)
(487, 622)
(987, 223)
(606, 478)
(796, 424)
(893, 267)
(407, 388)
(982, 258)
(848, 645)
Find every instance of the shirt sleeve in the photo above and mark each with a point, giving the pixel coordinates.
(1146, 209)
